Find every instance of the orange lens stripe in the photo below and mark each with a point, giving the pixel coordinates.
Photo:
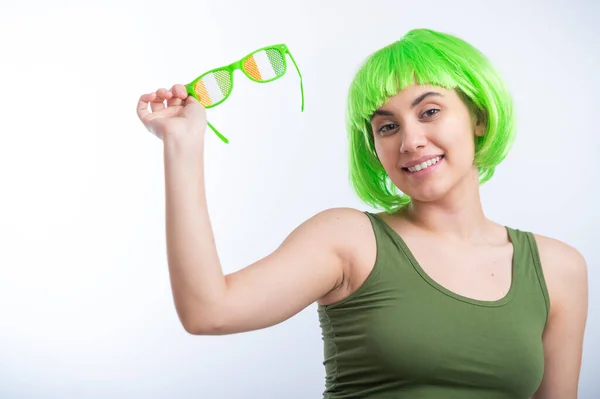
(251, 67)
(202, 93)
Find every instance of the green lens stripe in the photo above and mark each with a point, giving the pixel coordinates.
(223, 81)
(276, 60)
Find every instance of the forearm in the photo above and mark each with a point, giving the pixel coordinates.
(197, 279)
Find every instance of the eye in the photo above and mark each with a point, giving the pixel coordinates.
(430, 112)
(386, 128)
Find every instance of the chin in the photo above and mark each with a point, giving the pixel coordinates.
(427, 196)
(428, 192)
(432, 186)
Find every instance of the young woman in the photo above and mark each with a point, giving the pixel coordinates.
(426, 299)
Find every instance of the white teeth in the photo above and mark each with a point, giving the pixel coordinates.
(425, 164)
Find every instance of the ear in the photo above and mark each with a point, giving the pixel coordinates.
(480, 123)
(479, 130)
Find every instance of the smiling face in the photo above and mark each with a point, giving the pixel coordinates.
(425, 139)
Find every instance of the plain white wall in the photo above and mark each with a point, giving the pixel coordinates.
(85, 302)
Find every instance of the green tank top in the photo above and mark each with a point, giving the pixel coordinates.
(402, 335)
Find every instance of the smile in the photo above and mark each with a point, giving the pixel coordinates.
(424, 165)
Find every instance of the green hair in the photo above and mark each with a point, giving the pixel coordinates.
(424, 56)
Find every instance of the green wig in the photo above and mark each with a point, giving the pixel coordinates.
(424, 56)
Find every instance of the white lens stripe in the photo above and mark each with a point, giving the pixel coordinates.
(264, 65)
(212, 87)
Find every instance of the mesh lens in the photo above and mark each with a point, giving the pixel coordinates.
(213, 87)
(265, 64)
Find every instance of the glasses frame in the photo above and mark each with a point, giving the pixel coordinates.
(231, 68)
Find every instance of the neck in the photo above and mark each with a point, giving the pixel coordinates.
(458, 215)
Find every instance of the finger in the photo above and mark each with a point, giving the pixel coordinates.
(164, 94)
(180, 91)
(190, 107)
(142, 106)
(158, 103)
(179, 94)
(192, 99)
(175, 101)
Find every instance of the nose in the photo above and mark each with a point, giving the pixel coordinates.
(413, 138)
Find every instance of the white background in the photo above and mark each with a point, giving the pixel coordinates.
(85, 304)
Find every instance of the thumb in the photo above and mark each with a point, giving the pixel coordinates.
(190, 99)
(193, 108)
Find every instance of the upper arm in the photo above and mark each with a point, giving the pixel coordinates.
(565, 272)
(310, 263)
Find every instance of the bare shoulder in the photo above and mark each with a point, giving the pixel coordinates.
(340, 217)
(564, 267)
(560, 259)
(355, 243)
(350, 228)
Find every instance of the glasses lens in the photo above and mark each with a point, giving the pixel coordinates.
(265, 64)
(213, 87)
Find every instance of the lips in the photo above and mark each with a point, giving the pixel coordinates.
(422, 163)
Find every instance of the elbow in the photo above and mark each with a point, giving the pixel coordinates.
(203, 328)
(204, 317)
(203, 325)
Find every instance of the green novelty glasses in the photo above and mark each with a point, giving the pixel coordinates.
(262, 66)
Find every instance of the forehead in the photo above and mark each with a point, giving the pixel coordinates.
(410, 96)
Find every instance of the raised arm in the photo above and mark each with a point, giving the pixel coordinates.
(310, 263)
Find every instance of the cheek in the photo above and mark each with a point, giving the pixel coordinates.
(457, 141)
(388, 156)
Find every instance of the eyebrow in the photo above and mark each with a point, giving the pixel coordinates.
(416, 101)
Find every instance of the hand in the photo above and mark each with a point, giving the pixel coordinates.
(183, 115)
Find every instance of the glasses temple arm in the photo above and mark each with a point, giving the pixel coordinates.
(300, 75)
(190, 91)
(223, 138)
